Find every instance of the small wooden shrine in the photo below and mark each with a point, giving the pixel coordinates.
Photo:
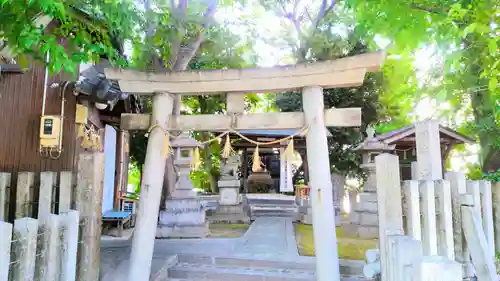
(270, 156)
(403, 143)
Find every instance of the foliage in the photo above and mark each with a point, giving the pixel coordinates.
(466, 43)
(92, 28)
(321, 31)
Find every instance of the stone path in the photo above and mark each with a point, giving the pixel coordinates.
(268, 241)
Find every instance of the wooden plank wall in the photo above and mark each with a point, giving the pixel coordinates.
(21, 98)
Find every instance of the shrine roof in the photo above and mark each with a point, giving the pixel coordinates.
(394, 137)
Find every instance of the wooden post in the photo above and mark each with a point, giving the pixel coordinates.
(4, 187)
(458, 187)
(412, 197)
(487, 214)
(120, 169)
(24, 249)
(429, 233)
(327, 260)
(478, 246)
(390, 211)
(154, 168)
(428, 150)
(88, 203)
(25, 181)
(45, 198)
(6, 234)
(69, 245)
(65, 191)
(445, 223)
(48, 259)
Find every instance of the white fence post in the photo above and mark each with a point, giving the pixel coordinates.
(473, 189)
(478, 247)
(65, 191)
(437, 268)
(24, 249)
(496, 205)
(404, 252)
(458, 185)
(4, 195)
(47, 262)
(428, 203)
(390, 212)
(445, 223)
(69, 245)
(25, 181)
(487, 215)
(412, 199)
(45, 197)
(6, 237)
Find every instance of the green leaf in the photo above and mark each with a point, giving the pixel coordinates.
(493, 83)
(469, 29)
(492, 46)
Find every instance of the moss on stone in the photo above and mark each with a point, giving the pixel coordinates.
(222, 230)
(351, 248)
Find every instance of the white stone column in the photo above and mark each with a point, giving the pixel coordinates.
(428, 150)
(390, 211)
(6, 234)
(24, 249)
(65, 188)
(69, 245)
(154, 170)
(327, 260)
(45, 198)
(4, 197)
(47, 261)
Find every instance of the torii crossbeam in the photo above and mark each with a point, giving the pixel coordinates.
(311, 78)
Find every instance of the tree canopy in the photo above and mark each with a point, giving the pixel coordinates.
(464, 38)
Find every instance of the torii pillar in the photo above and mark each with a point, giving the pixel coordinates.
(323, 212)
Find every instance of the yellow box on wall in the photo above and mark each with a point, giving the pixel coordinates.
(50, 130)
(82, 114)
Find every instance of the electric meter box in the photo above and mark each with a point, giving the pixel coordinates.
(50, 130)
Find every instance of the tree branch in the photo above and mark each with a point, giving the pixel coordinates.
(442, 12)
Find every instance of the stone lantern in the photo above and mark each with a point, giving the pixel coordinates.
(365, 213)
(184, 215)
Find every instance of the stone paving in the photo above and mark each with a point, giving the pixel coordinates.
(272, 238)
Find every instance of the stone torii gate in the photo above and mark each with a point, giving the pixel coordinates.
(312, 78)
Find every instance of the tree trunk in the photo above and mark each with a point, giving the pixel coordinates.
(182, 60)
(484, 113)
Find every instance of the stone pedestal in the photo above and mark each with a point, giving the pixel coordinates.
(183, 218)
(305, 212)
(231, 207)
(365, 212)
(184, 215)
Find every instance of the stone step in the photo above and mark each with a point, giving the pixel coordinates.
(343, 278)
(186, 272)
(347, 267)
(274, 202)
(231, 273)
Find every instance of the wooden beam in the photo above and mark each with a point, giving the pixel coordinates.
(343, 79)
(334, 117)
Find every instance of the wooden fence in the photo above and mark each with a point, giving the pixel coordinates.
(449, 227)
(56, 226)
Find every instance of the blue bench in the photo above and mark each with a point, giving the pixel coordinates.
(120, 218)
